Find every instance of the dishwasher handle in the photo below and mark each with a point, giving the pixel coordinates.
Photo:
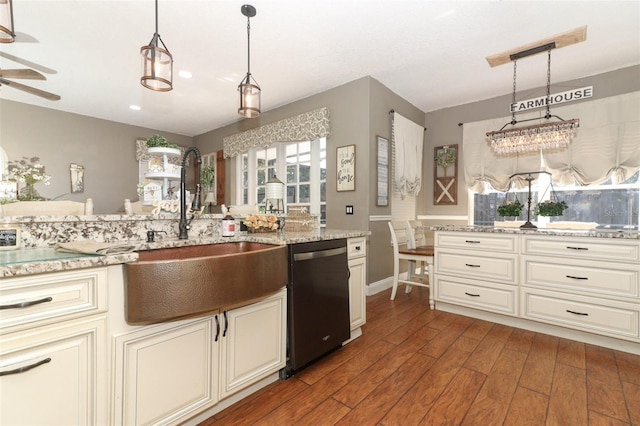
(318, 254)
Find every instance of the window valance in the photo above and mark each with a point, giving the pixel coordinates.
(303, 127)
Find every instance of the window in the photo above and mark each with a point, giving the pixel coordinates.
(302, 166)
(607, 205)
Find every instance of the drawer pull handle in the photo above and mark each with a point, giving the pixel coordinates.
(25, 368)
(26, 304)
(471, 294)
(577, 278)
(471, 265)
(577, 313)
(472, 241)
(577, 248)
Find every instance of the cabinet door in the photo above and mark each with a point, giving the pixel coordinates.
(55, 375)
(357, 285)
(165, 373)
(253, 345)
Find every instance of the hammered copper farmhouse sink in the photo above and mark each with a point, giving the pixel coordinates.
(173, 283)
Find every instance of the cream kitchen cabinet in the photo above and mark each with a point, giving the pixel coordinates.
(477, 270)
(165, 373)
(586, 288)
(168, 373)
(357, 258)
(53, 349)
(588, 284)
(253, 343)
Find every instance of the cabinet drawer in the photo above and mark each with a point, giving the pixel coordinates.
(583, 248)
(606, 317)
(476, 294)
(476, 241)
(42, 299)
(582, 276)
(356, 247)
(471, 264)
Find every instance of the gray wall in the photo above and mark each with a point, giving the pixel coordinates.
(105, 148)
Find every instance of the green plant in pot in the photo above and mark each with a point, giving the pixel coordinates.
(513, 208)
(157, 141)
(551, 208)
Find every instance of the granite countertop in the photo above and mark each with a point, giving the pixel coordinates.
(30, 261)
(597, 233)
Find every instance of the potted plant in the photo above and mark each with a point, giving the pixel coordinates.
(551, 208)
(513, 208)
(157, 141)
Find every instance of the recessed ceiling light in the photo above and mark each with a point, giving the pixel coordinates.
(135, 107)
(185, 74)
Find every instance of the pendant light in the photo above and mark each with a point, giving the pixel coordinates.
(248, 88)
(544, 136)
(7, 33)
(157, 63)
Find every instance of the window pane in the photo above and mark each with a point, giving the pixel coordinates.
(291, 194)
(323, 192)
(305, 173)
(261, 177)
(292, 173)
(305, 196)
(261, 195)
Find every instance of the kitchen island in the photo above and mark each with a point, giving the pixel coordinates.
(577, 284)
(68, 329)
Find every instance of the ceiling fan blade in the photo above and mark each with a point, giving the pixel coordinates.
(22, 73)
(26, 63)
(28, 89)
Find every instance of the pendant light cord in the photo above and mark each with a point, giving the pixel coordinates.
(248, 48)
(548, 100)
(513, 97)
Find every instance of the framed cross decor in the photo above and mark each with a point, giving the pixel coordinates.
(445, 175)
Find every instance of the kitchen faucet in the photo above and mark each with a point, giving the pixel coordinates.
(184, 224)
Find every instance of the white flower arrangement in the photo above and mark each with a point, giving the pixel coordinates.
(260, 222)
(28, 170)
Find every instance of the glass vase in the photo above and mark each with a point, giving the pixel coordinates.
(30, 193)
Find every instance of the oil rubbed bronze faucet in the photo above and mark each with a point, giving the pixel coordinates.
(184, 224)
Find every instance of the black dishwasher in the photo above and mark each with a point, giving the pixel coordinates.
(318, 302)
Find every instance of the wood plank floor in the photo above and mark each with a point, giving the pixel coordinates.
(414, 366)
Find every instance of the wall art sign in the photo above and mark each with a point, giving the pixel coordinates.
(445, 175)
(346, 168)
(556, 98)
(76, 172)
(382, 164)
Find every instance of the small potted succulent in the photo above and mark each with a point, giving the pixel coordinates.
(551, 208)
(512, 209)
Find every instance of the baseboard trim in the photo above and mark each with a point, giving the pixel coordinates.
(539, 327)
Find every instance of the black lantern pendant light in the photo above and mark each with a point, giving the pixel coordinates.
(248, 88)
(7, 32)
(157, 63)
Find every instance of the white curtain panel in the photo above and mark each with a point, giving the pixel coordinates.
(407, 138)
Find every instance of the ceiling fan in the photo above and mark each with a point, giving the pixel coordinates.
(29, 74)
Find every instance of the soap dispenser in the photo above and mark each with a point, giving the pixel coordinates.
(228, 225)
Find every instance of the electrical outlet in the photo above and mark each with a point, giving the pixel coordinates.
(349, 209)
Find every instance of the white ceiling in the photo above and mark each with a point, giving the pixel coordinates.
(431, 53)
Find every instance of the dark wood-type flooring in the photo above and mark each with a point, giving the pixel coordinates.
(416, 366)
